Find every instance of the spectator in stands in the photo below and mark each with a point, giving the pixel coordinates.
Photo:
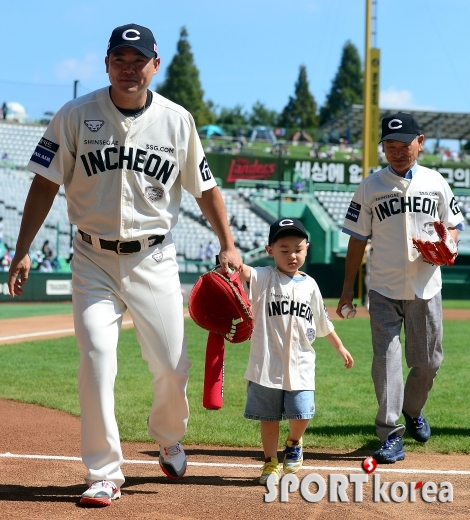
(243, 227)
(298, 187)
(1, 230)
(210, 250)
(5, 156)
(46, 249)
(36, 258)
(46, 266)
(7, 258)
(4, 264)
(4, 110)
(233, 221)
(202, 253)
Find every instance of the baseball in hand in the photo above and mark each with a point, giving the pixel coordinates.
(347, 312)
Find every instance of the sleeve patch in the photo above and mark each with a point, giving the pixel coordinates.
(48, 145)
(206, 173)
(454, 207)
(42, 156)
(353, 211)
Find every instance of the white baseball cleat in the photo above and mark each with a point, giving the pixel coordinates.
(173, 460)
(100, 494)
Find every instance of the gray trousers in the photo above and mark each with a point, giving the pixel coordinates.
(422, 320)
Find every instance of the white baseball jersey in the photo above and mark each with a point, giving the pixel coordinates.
(288, 317)
(393, 210)
(123, 176)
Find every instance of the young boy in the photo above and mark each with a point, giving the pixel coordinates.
(289, 313)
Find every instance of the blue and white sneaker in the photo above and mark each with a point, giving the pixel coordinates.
(391, 450)
(417, 427)
(293, 456)
(173, 460)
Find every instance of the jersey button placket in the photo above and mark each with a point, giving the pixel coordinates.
(408, 233)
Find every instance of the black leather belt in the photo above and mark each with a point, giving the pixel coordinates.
(123, 248)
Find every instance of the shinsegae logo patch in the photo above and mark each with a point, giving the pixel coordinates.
(94, 124)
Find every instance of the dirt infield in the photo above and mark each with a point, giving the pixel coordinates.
(41, 475)
(47, 488)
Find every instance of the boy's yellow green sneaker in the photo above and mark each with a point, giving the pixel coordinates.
(293, 456)
(271, 467)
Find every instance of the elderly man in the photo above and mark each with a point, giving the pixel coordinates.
(391, 207)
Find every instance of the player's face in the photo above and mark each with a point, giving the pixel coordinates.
(402, 156)
(130, 73)
(289, 253)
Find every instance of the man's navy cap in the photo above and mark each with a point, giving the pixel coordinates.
(284, 226)
(133, 35)
(399, 127)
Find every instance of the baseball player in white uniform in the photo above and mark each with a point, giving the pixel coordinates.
(391, 207)
(288, 315)
(123, 153)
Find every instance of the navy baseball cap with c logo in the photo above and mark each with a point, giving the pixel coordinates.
(133, 35)
(286, 226)
(399, 127)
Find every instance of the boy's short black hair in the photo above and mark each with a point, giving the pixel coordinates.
(286, 227)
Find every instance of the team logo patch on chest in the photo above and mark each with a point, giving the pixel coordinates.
(428, 227)
(310, 334)
(153, 194)
(94, 124)
(158, 257)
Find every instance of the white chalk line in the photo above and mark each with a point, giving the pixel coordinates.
(225, 465)
(48, 333)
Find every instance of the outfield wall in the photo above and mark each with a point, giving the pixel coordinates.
(232, 168)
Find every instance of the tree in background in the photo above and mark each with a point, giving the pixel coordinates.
(232, 116)
(301, 110)
(262, 116)
(182, 84)
(347, 86)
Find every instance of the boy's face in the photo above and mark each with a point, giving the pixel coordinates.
(289, 253)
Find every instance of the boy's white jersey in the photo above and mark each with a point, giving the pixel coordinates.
(123, 176)
(288, 317)
(393, 210)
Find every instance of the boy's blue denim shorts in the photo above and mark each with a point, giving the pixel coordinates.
(274, 404)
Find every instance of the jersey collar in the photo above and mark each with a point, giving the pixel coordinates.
(409, 174)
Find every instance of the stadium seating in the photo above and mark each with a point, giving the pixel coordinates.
(56, 228)
(335, 204)
(18, 142)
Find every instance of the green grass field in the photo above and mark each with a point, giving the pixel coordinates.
(24, 310)
(44, 373)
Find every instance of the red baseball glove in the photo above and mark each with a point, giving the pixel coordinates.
(218, 303)
(442, 252)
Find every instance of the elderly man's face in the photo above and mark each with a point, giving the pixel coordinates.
(402, 156)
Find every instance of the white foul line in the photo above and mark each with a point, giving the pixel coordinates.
(47, 333)
(224, 465)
